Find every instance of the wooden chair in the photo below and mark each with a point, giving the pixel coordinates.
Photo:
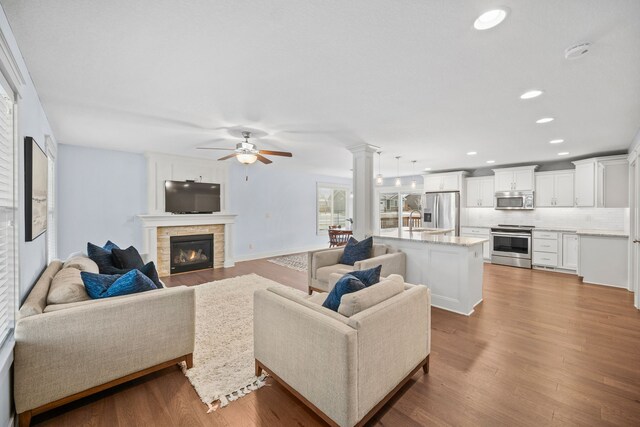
(339, 237)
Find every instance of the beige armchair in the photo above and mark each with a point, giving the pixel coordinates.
(343, 368)
(324, 262)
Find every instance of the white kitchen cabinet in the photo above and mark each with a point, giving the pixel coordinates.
(515, 179)
(483, 233)
(564, 189)
(450, 181)
(602, 182)
(569, 251)
(603, 260)
(585, 183)
(545, 249)
(480, 192)
(433, 183)
(554, 189)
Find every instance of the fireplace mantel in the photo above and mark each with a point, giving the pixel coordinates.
(151, 223)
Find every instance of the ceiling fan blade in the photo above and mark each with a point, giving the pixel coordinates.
(214, 148)
(276, 153)
(230, 156)
(263, 159)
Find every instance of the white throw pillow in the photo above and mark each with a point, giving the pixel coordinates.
(67, 286)
(82, 263)
(356, 302)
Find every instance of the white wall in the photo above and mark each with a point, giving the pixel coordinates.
(276, 210)
(32, 121)
(100, 192)
(584, 218)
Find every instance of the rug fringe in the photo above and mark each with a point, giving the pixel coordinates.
(223, 401)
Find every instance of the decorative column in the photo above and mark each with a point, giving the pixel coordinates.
(363, 190)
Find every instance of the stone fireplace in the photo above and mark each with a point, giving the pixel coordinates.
(161, 229)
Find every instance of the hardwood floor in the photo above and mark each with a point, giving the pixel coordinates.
(542, 349)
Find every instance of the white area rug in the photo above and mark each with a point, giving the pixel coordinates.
(296, 262)
(223, 363)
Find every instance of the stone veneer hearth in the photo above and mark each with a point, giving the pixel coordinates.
(164, 234)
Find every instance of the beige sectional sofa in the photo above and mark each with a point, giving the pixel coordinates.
(68, 350)
(344, 365)
(324, 262)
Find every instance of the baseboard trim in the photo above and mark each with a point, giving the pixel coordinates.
(270, 254)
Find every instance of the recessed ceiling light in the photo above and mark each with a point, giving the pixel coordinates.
(556, 141)
(563, 153)
(472, 153)
(427, 169)
(491, 161)
(545, 120)
(490, 19)
(531, 94)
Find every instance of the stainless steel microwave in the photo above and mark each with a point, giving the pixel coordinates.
(522, 200)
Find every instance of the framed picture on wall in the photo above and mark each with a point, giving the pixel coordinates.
(35, 189)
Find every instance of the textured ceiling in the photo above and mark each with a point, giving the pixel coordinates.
(412, 77)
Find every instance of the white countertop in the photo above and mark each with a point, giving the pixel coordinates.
(603, 233)
(438, 239)
(579, 231)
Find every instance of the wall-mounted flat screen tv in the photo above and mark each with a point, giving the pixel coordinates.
(188, 197)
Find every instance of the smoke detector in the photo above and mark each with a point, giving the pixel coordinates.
(577, 51)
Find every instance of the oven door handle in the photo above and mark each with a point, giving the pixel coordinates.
(528, 236)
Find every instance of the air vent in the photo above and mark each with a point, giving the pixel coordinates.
(577, 51)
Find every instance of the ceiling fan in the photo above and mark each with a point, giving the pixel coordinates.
(247, 153)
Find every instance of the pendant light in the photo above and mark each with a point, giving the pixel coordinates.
(379, 177)
(398, 181)
(414, 184)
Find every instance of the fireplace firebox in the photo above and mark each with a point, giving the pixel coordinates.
(189, 253)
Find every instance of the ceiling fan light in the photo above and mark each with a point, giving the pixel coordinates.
(247, 158)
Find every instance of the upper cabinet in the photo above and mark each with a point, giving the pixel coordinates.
(480, 192)
(554, 189)
(515, 179)
(602, 182)
(449, 181)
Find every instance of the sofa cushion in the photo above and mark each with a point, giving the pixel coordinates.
(58, 307)
(369, 277)
(379, 250)
(127, 259)
(82, 263)
(323, 273)
(356, 302)
(105, 286)
(317, 297)
(355, 251)
(103, 256)
(67, 286)
(37, 299)
(346, 285)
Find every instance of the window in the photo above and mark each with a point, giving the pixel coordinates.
(332, 207)
(52, 235)
(398, 213)
(8, 252)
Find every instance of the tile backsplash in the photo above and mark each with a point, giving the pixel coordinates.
(584, 218)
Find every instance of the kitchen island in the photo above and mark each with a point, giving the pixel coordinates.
(451, 267)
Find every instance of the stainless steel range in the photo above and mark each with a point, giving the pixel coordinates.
(511, 245)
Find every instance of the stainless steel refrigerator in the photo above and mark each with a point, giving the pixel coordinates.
(441, 210)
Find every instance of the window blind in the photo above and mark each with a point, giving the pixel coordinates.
(7, 212)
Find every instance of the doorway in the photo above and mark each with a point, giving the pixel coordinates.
(634, 227)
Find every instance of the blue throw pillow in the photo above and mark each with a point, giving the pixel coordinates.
(103, 257)
(113, 285)
(346, 285)
(356, 251)
(149, 270)
(368, 277)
